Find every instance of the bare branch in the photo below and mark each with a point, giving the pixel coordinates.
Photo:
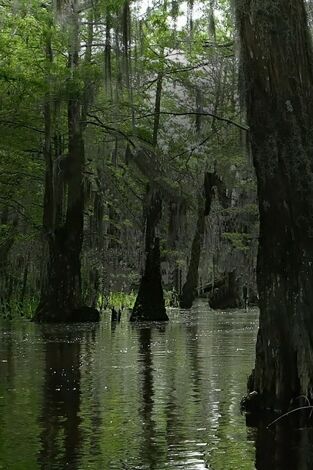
(243, 127)
(101, 124)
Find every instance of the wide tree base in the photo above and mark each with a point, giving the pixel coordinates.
(187, 297)
(226, 293)
(150, 305)
(258, 407)
(84, 314)
(297, 416)
(221, 302)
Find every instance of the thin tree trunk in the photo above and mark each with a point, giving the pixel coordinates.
(88, 87)
(189, 291)
(24, 282)
(157, 109)
(176, 214)
(5, 248)
(48, 215)
(278, 68)
(211, 181)
(108, 57)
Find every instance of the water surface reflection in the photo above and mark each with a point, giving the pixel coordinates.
(60, 421)
(136, 397)
(286, 446)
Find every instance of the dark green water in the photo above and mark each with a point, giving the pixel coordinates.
(130, 397)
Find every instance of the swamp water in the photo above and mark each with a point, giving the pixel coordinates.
(127, 397)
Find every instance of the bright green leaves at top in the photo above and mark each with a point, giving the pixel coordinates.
(20, 48)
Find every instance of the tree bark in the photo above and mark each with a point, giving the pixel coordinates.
(5, 248)
(157, 109)
(226, 293)
(61, 294)
(283, 446)
(189, 291)
(277, 64)
(150, 305)
(211, 181)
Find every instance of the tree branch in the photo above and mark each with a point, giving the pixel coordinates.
(99, 123)
(194, 113)
(19, 124)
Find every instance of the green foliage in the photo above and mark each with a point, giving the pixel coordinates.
(239, 241)
(116, 83)
(170, 298)
(15, 309)
(121, 299)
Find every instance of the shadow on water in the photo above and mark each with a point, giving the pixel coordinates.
(184, 423)
(284, 446)
(151, 451)
(7, 356)
(145, 397)
(60, 412)
(61, 436)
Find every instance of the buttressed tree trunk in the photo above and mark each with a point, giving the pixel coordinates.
(150, 305)
(278, 69)
(61, 294)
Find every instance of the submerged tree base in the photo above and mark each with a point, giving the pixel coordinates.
(226, 294)
(297, 416)
(258, 407)
(187, 297)
(150, 304)
(281, 143)
(84, 314)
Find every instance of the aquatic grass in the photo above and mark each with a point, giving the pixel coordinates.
(14, 308)
(121, 299)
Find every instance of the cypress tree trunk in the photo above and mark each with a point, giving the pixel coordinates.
(226, 293)
(283, 446)
(176, 216)
(189, 291)
(157, 109)
(61, 293)
(150, 305)
(5, 248)
(277, 64)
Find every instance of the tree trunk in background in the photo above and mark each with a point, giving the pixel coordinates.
(5, 248)
(150, 305)
(177, 212)
(278, 69)
(61, 294)
(189, 291)
(157, 109)
(226, 293)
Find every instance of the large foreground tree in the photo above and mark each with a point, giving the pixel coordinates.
(61, 294)
(278, 69)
